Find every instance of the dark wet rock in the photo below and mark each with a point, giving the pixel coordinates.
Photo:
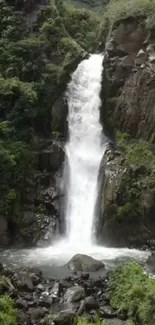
(23, 318)
(45, 301)
(32, 303)
(7, 272)
(81, 262)
(25, 281)
(81, 308)
(85, 276)
(52, 157)
(40, 287)
(87, 305)
(91, 303)
(21, 303)
(37, 313)
(65, 317)
(74, 294)
(107, 312)
(34, 270)
(1, 267)
(56, 290)
(35, 279)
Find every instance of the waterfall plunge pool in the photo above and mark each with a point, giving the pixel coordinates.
(52, 260)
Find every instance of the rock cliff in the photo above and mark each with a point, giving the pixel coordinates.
(128, 115)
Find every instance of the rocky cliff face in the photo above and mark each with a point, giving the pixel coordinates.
(128, 189)
(128, 78)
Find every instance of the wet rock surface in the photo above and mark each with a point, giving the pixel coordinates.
(41, 300)
(81, 262)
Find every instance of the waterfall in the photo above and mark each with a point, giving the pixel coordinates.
(83, 150)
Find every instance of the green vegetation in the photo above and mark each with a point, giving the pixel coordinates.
(137, 153)
(37, 54)
(7, 311)
(2, 283)
(87, 33)
(121, 9)
(135, 183)
(133, 293)
(129, 200)
(84, 321)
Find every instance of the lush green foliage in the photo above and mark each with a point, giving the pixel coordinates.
(133, 292)
(121, 9)
(2, 283)
(36, 54)
(140, 162)
(87, 33)
(85, 321)
(137, 153)
(140, 154)
(7, 311)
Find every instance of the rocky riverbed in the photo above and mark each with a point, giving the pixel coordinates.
(42, 300)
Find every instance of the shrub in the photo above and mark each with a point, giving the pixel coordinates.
(140, 154)
(83, 26)
(133, 292)
(121, 9)
(85, 321)
(137, 153)
(7, 311)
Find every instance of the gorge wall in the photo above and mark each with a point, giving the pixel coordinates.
(128, 112)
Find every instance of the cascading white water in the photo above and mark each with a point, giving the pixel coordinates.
(84, 149)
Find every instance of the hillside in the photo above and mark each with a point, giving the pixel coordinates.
(41, 42)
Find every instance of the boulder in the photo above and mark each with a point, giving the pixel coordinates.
(65, 317)
(56, 290)
(141, 57)
(25, 281)
(74, 294)
(107, 312)
(85, 263)
(91, 303)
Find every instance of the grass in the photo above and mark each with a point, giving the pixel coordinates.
(133, 292)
